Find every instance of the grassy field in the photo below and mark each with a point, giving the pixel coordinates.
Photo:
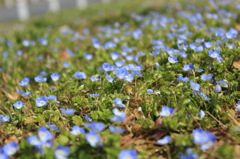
(130, 79)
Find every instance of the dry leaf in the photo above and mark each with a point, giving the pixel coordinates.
(236, 64)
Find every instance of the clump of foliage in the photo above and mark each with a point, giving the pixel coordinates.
(128, 80)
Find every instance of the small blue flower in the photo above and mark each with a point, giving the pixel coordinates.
(87, 118)
(117, 102)
(195, 86)
(115, 55)
(4, 118)
(116, 129)
(3, 155)
(164, 141)
(181, 78)
(119, 116)
(18, 104)
(95, 126)
(92, 138)
(24, 81)
(109, 78)
(166, 111)
(106, 67)
(80, 75)
(150, 91)
(55, 76)
(189, 155)
(187, 67)
(172, 59)
(119, 63)
(44, 134)
(218, 88)
(201, 114)
(23, 93)
(232, 33)
(208, 44)
(53, 98)
(203, 138)
(62, 152)
(76, 130)
(206, 77)
(66, 65)
(53, 127)
(214, 53)
(127, 154)
(10, 149)
(68, 111)
(129, 77)
(41, 101)
(237, 107)
(88, 56)
(204, 96)
(33, 140)
(94, 95)
(157, 64)
(39, 78)
(44, 73)
(96, 77)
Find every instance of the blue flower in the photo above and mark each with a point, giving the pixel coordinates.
(44, 73)
(237, 106)
(117, 102)
(204, 138)
(150, 91)
(23, 93)
(44, 134)
(204, 96)
(164, 141)
(18, 104)
(121, 73)
(88, 56)
(33, 140)
(127, 154)
(166, 111)
(3, 155)
(119, 116)
(106, 67)
(94, 95)
(172, 59)
(218, 88)
(10, 149)
(116, 129)
(109, 78)
(39, 78)
(157, 64)
(55, 76)
(92, 138)
(53, 98)
(206, 77)
(96, 127)
(80, 75)
(68, 111)
(119, 63)
(208, 44)
(187, 67)
(53, 127)
(41, 101)
(24, 81)
(96, 77)
(195, 86)
(189, 155)
(62, 152)
(115, 55)
(76, 130)
(129, 77)
(181, 78)
(87, 118)
(232, 33)
(201, 114)
(4, 118)
(66, 64)
(214, 53)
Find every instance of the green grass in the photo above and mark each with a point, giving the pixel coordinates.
(143, 124)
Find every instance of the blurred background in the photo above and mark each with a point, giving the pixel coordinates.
(23, 9)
